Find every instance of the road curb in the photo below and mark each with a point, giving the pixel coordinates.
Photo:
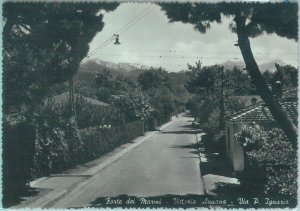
(120, 154)
(198, 138)
(56, 195)
(34, 182)
(45, 200)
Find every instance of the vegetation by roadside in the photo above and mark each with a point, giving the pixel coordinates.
(270, 171)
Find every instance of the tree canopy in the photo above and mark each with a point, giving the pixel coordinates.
(43, 44)
(279, 18)
(248, 20)
(153, 78)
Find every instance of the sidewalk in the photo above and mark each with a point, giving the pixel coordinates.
(47, 190)
(217, 172)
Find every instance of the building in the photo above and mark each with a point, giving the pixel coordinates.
(257, 113)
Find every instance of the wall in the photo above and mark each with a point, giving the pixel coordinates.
(235, 151)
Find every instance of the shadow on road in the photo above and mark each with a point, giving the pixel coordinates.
(187, 115)
(184, 129)
(179, 132)
(188, 146)
(215, 164)
(193, 146)
(22, 195)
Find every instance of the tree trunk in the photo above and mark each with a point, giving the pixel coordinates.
(222, 109)
(265, 93)
(71, 97)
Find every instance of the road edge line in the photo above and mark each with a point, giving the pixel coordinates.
(199, 154)
(105, 164)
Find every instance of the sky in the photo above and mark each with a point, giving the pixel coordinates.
(147, 38)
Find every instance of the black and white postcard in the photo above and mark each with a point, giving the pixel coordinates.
(153, 104)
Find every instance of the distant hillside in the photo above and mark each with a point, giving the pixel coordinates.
(178, 81)
(88, 71)
(271, 65)
(263, 67)
(110, 65)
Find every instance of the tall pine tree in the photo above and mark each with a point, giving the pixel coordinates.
(248, 20)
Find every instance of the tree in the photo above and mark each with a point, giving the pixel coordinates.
(203, 80)
(156, 83)
(287, 75)
(134, 105)
(249, 20)
(153, 78)
(237, 82)
(268, 170)
(208, 82)
(108, 84)
(43, 44)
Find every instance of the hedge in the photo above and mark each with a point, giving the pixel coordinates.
(270, 163)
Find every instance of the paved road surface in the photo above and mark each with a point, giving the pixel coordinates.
(166, 163)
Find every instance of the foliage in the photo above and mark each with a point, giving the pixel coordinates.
(248, 20)
(204, 80)
(207, 80)
(17, 158)
(177, 81)
(156, 83)
(237, 82)
(99, 141)
(108, 85)
(153, 78)
(206, 112)
(43, 44)
(134, 105)
(58, 144)
(283, 20)
(52, 150)
(53, 143)
(287, 75)
(92, 115)
(271, 162)
(235, 104)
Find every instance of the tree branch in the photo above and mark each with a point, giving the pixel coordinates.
(265, 93)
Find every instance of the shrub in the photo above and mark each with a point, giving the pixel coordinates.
(57, 144)
(18, 142)
(98, 141)
(133, 105)
(270, 162)
(91, 115)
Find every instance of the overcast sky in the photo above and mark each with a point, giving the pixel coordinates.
(151, 40)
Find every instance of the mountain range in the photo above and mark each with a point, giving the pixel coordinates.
(263, 67)
(95, 65)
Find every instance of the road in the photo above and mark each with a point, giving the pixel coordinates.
(166, 163)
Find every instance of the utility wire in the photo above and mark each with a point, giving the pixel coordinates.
(137, 20)
(104, 43)
(205, 52)
(182, 57)
(132, 20)
(124, 28)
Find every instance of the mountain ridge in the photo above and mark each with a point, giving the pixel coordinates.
(94, 65)
(270, 66)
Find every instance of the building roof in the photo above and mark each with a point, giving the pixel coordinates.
(246, 100)
(63, 98)
(260, 112)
